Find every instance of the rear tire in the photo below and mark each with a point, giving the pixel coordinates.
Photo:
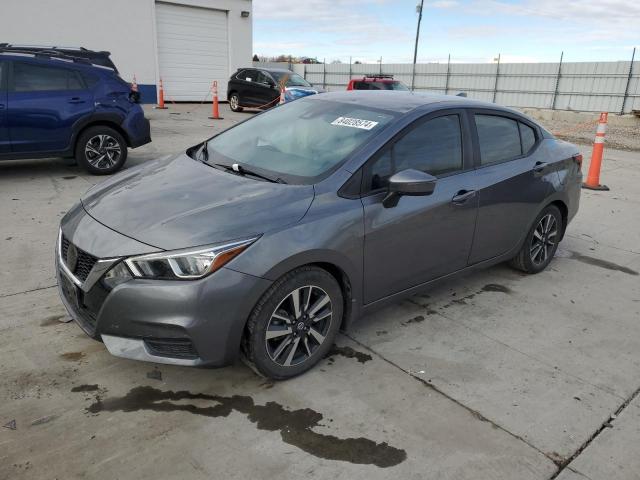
(294, 325)
(101, 150)
(234, 102)
(541, 243)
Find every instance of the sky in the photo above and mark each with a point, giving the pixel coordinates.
(469, 30)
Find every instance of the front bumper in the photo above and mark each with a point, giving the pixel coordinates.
(196, 322)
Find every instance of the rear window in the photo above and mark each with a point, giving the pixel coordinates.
(363, 85)
(35, 78)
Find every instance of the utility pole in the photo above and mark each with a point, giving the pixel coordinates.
(415, 50)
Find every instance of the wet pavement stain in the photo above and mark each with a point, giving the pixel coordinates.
(417, 319)
(295, 426)
(601, 263)
(349, 353)
(494, 287)
(73, 356)
(86, 388)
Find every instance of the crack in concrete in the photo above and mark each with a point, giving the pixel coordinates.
(27, 291)
(473, 412)
(555, 367)
(595, 435)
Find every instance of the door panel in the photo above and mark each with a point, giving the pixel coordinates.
(420, 239)
(5, 146)
(43, 105)
(511, 194)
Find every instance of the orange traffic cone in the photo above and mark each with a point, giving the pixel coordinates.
(215, 114)
(593, 178)
(160, 105)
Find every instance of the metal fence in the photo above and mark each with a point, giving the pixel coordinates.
(579, 86)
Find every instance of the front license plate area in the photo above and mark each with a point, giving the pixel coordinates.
(69, 290)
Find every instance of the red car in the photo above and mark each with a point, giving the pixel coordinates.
(378, 82)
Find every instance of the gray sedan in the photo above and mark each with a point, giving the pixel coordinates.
(268, 238)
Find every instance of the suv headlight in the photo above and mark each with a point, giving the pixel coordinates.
(186, 264)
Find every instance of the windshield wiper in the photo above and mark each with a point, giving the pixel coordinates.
(204, 152)
(240, 170)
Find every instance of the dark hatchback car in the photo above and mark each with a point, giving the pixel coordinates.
(260, 87)
(57, 105)
(271, 236)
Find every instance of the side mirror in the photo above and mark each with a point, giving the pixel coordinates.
(408, 182)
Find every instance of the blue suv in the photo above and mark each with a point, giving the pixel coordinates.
(56, 104)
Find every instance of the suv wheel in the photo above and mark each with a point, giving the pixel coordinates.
(101, 150)
(234, 102)
(295, 323)
(541, 243)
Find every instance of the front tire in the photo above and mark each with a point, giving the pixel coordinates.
(294, 325)
(541, 243)
(234, 102)
(101, 150)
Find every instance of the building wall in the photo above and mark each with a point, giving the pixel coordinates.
(126, 28)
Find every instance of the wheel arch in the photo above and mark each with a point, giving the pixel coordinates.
(97, 122)
(564, 211)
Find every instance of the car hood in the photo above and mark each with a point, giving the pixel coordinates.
(178, 202)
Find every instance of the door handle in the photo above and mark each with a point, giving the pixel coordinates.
(76, 100)
(463, 196)
(1, 106)
(540, 166)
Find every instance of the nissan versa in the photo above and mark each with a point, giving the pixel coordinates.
(271, 236)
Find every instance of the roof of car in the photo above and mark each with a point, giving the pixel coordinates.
(279, 70)
(400, 101)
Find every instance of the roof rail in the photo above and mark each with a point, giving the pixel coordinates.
(378, 75)
(51, 54)
(50, 47)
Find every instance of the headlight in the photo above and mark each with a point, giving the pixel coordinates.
(186, 264)
(116, 275)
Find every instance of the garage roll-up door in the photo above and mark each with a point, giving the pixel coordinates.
(192, 51)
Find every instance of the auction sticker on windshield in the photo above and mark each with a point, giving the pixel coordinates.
(354, 123)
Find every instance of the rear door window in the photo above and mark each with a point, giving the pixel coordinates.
(37, 78)
(499, 139)
(250, 76)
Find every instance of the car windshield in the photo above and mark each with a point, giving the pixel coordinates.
(298, 141)
(293, 79)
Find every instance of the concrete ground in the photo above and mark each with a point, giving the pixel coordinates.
(497, 375)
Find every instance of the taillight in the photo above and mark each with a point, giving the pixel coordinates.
(578, 159)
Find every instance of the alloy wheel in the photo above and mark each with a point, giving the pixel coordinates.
(234, 102)
(298, 326)
(102, 151)
(543, 240)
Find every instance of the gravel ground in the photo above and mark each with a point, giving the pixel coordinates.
(618, 136)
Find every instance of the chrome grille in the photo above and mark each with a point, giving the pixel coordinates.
(84, 264)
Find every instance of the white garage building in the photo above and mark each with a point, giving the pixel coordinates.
(187, 43)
